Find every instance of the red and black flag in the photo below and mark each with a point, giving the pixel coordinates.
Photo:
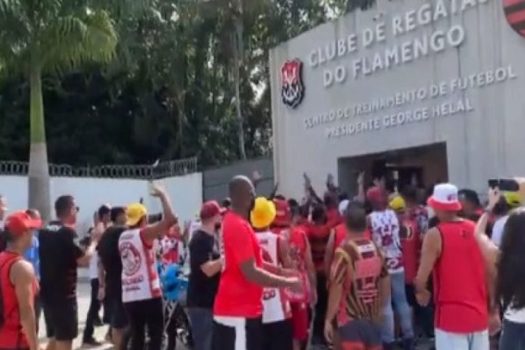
(515, 13)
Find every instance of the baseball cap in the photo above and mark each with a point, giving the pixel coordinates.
(263, 213)
(210, 209)
(397, 203)
(135, 212)
(283, 213)
(375, 195)
(513, 199)
(445, 198)
(19, 222)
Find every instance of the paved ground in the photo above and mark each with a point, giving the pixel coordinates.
(84, 293)
(83, 305)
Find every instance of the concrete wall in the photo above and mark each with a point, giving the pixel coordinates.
(215, 181)
(185, 193)
(482, 142)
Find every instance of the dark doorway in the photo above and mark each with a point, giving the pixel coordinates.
(421, 166)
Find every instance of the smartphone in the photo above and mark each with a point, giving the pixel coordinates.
(493, 183)
(507, 185)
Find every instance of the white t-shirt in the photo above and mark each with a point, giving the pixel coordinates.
(93, 267)
(497, 230)
(385, 233)
(194, 226)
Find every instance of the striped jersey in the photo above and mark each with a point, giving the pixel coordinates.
(358, 266)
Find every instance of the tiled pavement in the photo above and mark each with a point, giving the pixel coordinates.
(83, 305)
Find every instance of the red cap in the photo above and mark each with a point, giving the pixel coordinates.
(19, 222)
(376, 195)
(210, 209)
(283, 216)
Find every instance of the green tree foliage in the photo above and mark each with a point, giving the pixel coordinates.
(169, 91)
(49, 36)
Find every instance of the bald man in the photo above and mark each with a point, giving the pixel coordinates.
(238, 305)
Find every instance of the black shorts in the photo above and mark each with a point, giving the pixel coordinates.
(118, 317)
(228, 330)
(360, 334)
(278, 335)
(61, 319)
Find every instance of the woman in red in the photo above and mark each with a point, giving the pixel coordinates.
(18, 286)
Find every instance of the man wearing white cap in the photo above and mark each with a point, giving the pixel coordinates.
(452, 252)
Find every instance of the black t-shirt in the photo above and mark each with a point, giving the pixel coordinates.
(58, 262)
(110, 259)
(201, 288)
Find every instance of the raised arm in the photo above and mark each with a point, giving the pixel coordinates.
(152, 232)
(481, 226)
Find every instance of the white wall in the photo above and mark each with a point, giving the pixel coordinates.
(483, 142)
(185, 193)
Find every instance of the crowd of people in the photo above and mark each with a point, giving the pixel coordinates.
(380, 270)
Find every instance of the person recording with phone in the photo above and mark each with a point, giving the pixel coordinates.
(509, 199)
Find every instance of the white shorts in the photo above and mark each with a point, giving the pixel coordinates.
(462, 341)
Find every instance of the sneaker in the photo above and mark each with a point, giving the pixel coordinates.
(91, 343)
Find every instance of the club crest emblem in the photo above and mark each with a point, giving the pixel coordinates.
(515, 14)
(292, 88)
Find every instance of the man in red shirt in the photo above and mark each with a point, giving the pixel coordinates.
(238, 305)
(18, 285)
(452, 252)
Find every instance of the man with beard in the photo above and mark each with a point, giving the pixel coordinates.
(238, 305)
(60, 258)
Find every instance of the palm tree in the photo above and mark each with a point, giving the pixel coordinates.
(50, 36)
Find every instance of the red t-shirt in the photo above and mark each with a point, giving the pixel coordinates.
(238, 297)
(411, 244)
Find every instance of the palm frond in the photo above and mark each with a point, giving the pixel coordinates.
(14, 35)
(72, 40)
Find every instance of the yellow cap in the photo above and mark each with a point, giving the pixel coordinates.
(513, 199)
(135, 212)
(263, 213)
(397, 203)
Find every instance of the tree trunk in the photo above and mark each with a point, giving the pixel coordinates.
(237, 57)
(38, 177)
